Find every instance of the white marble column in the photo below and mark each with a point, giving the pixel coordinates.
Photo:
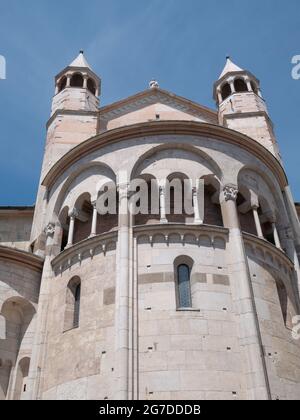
(276, 236)
(231, 83)
(257, 222)
(250, 339)
(248, 83)
(197, 216)
(94, 220)
(85, 79)
(68, 80)
(73, 214)
(122, 295)
(220, 99)
(162, 204)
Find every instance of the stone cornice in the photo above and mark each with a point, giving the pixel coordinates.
(88, 244)
(249, 114)
(169, 228)
(252, 239)
(114, 109)
(157, 128)
(16, 211)
(21, 257)
(82, 113)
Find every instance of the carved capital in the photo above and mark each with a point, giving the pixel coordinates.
(288, 233)
(74, 213)
(49, 229)
(230, 192)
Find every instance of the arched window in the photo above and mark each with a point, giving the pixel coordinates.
(72, 309)
(184, 286)
(62, 84)
(91, 86)
(77, 306)
(254, 87)
(76, 80)
(240, 85)
(225, 91)
(21, 378)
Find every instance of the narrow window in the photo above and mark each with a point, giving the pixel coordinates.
(184, 287)
(91, 86)
(72, 309)
(226, 91)
(62, 84)
(254, 87)
(240, 85)
(77, 306)
(77, 80)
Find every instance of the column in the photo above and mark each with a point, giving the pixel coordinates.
(94, 220)
(68, 80)
(250, 338)
(249, 85)
(257, 222)
(220, 99)
(231, 82)
(122, 296)
(39, 346)
(162, 204)
(276, 236)
(85, 79)
(197, 217)
(73, 215)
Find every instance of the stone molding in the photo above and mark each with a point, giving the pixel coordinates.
(266, 246)
(156, 128)
(17, 256)
(75, 253)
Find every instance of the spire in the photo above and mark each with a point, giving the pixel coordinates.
(80, 61)
(229, 67)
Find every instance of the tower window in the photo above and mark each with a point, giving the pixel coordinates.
(226, 91)
(184, 286)
(76, 80)
(240, 85)
(91, 86)
(62, 84)
(254, 87)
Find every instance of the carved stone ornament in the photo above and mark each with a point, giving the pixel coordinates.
(49, 229)
(230, 192)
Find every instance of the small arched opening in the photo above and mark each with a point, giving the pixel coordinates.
(76, 80)
(91, 86)
(72, 307)
(21, 378)
(254, 87)
(225, 91)
(62, 84)
(240, 85)
(183, 266)
(150, 194)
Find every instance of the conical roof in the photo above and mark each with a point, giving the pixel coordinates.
(229, 68)
(80, 61)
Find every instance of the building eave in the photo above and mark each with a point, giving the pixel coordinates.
(16, 210)
(21, 257)
(211, 113)
(157, 128)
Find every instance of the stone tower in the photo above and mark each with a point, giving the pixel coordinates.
(74, 118)
(242, 107)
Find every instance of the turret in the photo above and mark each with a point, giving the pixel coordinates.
(242, 107)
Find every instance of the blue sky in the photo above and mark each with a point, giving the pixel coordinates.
(182, 43)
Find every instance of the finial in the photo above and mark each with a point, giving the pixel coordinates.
(81, 52)
(153, 84)
(228, 57)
